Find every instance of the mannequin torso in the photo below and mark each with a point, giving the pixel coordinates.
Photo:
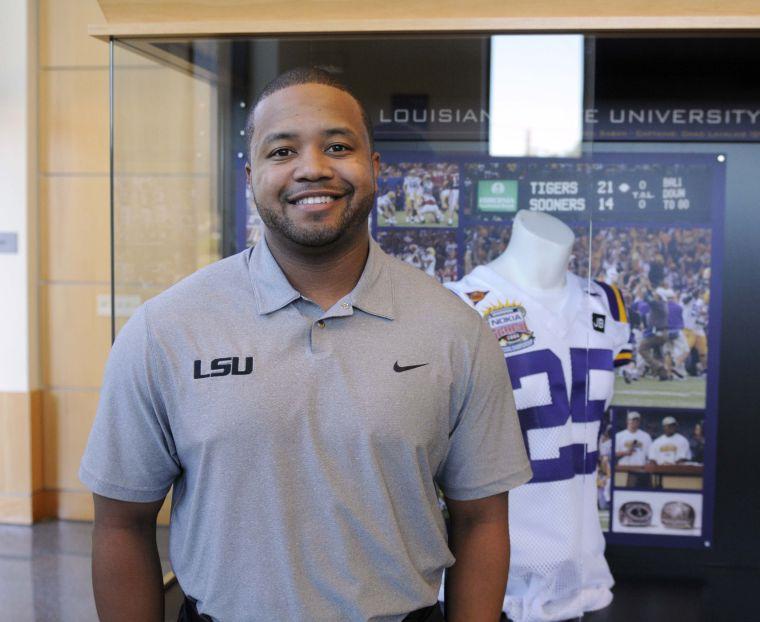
(562, 335)
(537, 256)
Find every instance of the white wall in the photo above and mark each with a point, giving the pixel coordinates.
(18, 203)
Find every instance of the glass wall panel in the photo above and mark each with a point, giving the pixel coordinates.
(166, 218)
(635, 155)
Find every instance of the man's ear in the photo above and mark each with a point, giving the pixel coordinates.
(249, 183)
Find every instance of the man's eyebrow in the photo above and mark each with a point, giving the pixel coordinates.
(278, 136)
(333, 131)
(339, 131)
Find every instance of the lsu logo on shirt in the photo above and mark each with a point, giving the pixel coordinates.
(223, 367)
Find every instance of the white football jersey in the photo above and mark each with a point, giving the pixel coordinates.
(428, 263)
(385, 202)
(561, 363)
(639, 441)
(412, 184)
(694, 315)
(670, 449)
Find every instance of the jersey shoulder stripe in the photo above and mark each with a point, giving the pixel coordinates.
(614, 301)
(623, 358)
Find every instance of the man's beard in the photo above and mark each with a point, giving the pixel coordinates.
(317, 234)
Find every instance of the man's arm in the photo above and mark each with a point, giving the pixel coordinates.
(126, 571)
(479, 539)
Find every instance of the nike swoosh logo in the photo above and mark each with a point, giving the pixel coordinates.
(397, 367)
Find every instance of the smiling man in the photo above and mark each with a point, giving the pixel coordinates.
(304, 398)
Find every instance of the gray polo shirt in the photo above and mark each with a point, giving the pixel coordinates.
(303, 445)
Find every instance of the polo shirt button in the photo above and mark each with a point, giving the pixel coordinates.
(345, 305)
(321, 323)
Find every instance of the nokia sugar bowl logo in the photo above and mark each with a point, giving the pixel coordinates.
(223, 367)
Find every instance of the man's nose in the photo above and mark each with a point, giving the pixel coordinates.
(313, 164)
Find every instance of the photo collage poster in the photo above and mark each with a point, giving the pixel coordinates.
(652, 226)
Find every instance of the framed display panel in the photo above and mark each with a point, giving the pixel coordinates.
(644, 223)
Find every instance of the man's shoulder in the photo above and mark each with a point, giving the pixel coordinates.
(203, 290)
(417, 292)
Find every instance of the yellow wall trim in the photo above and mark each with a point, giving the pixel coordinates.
(116, 11)
(69, 505)
(144, 18)
(16, 510)
(21, 454)
(683, 23)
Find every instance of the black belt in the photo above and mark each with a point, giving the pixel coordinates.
(189, 613)
(432, 613)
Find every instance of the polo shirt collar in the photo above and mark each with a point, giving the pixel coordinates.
(374, 290)
(372, 294)
(271, 287)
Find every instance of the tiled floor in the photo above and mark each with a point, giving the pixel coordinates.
(45, 572)
(45, 577)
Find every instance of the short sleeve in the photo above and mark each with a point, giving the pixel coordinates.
(486, 448)
(130, 453)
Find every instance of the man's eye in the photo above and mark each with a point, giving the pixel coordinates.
(337, 148)
(282, 152)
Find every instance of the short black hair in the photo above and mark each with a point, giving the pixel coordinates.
(305, 75)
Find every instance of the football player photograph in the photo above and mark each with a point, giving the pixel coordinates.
(305, 407)
(671, 447)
